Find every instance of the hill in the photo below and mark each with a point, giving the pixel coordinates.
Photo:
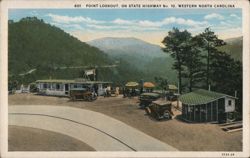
(41, 50)
(144, 56)
(130, 46)
(234, 47)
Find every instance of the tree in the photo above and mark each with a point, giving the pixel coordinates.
(226, 76)
(193, 62)
(210, 42)
(161, 82)
(175, 45)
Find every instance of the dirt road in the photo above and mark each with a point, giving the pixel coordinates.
(181, 135)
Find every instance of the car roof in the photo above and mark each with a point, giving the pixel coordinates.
(161, 102)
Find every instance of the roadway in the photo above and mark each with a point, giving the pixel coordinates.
(99, 131)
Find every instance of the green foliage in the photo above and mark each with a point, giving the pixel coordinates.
(226, 76)
(199, 56)
(161, 82)
(209, 42)
(193, 62)
(175, 44)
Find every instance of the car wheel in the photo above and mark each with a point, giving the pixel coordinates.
(166, 114)
(148, 111)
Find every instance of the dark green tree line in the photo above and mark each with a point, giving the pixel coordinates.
(199, 60)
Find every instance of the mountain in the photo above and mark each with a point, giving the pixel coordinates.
(131, 49)
(38, 51)
(234, 47)
(144, 56)
(130, 46)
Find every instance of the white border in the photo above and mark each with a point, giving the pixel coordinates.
(6, 4)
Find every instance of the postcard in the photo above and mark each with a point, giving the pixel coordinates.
(121, 78)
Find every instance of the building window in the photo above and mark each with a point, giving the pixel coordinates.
(45, 86)
(229, 102)
(75, 85)
(57, 86)
(53, 86)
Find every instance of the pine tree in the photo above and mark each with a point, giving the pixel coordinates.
(210, 44)
(175, 45)
(193, 62)
(226, 75)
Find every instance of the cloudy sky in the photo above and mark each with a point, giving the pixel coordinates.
(146, 24)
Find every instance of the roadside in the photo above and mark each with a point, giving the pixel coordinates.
(181, 135)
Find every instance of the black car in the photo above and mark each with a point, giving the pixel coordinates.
(160, 109)
(147, 98)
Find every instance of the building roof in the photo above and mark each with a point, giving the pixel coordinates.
(161, 102)
(54, 81)
(150, 94)
(201, 96)
(69, 81)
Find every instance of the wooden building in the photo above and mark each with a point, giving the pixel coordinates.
(206, 106)
(62, 87)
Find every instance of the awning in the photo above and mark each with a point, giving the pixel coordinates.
(172, 87)
(148, 85)
(132, 84)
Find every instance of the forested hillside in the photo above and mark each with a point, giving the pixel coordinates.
(38, 51)
(146, 57)
(234, 47)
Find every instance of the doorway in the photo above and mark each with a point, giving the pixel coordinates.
(66, 88)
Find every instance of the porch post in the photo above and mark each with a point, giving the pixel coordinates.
(212, 111)
(194, 112)
(200, 113)
(189, 112)
(217, 109)
(186, 112)
(206, 112)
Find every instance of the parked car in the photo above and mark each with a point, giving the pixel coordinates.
(131, 92)
(171, 96)
(82, 94)
(147, 98)
(160, 109)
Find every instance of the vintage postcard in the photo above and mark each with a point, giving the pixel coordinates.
(124, 78)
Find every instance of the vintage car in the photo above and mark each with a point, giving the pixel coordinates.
(160, 109)
(171, 96)
(147, 98)
(82, 94)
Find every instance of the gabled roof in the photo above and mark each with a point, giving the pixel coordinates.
(201, 96)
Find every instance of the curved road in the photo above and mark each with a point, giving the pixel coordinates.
(100, 131)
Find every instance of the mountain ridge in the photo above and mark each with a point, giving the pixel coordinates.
(34, 44)
(142, 55)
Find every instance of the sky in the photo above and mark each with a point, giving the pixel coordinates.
(150, 25)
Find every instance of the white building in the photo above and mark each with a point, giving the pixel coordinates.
(62, 87)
